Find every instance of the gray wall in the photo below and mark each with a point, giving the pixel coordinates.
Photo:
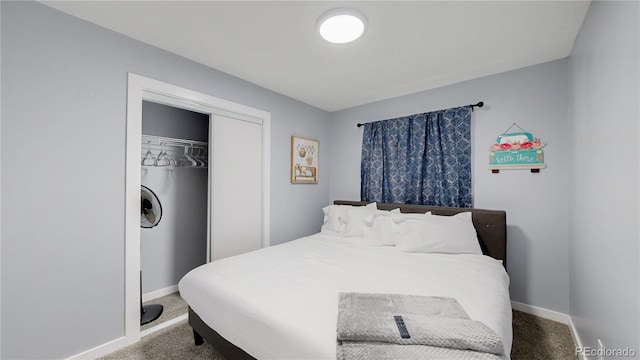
(603, 123)
(64, 86)
(537, 204)
(179, 242)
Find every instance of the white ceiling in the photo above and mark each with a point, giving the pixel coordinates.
(408, 46)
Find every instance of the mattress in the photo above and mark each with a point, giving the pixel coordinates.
(281, 302)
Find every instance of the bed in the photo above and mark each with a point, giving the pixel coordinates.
(281, 302)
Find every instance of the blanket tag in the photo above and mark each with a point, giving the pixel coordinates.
(401, 327)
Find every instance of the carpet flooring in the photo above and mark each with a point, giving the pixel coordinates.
(534, 338)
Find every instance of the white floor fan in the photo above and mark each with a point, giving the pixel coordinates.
(150, 215)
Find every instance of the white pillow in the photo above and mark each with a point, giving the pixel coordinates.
(402, 217)
(439, 234)
(335, 218)
(354, 226)
(380, 229)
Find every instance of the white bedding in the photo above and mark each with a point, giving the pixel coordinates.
(281, 302)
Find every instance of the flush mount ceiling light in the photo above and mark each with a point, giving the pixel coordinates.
(341, 25)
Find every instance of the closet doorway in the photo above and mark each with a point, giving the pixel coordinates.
(230, 196)
(174, 176)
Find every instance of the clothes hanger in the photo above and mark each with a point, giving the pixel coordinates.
(148, 159)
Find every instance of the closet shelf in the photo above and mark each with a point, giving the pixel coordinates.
(158, 140)
(158, 151)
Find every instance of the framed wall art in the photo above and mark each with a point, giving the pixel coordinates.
(304, 160)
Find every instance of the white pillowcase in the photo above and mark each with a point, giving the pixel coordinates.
(401, 217)
(380, 229)
(439, 234)
(354, 226)
(335, 218)
(346, 220)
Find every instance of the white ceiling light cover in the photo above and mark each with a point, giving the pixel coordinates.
(342, 25)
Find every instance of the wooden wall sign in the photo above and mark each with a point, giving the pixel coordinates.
(516, 151)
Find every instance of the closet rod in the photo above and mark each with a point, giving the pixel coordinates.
(157, 140)
(479, 104)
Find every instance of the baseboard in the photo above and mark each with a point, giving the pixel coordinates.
(164, 325)
(576, 338)
(122, 342)
(103, 349)
(541, 312)
(550, 315)
(159, 293)
(119, 343)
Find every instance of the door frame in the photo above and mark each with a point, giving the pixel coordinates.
(142, 88)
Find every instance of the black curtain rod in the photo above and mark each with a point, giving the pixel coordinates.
(479, 104)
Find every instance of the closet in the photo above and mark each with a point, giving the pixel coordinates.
(174, 165)
(207, 160)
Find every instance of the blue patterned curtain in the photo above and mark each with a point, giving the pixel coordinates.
(418, 159)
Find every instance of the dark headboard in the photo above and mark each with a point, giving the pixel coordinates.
(491, 225)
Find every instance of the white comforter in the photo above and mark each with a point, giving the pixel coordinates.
(281, 302)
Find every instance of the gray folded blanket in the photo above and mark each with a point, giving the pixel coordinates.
(438, 326)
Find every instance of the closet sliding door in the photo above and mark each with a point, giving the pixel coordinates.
(236, 165)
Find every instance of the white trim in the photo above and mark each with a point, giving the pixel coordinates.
(210, 173)
(266, 181)
(122, 342)
(135, 94)
(102, 350)
(159, 293)
(576, 338)
(142, 88)
(168, 94)
(165, 325)
(541, 312)
(550, 315)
